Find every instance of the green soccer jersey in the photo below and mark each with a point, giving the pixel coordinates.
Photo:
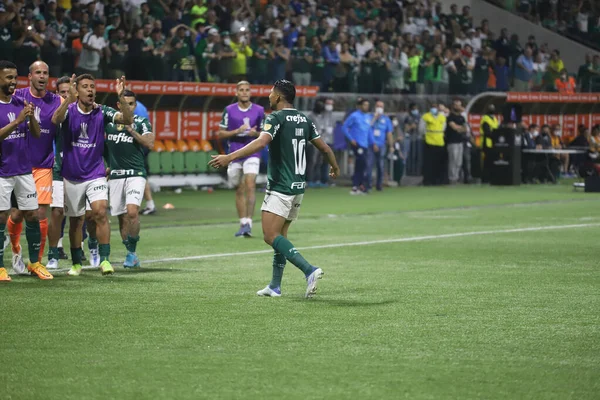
(291, 131)
(125, 155)
(56, 175)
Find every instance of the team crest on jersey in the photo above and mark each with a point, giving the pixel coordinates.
(11, 117)
(83, 133)
(267, 127)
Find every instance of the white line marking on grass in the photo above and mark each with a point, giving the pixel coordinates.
(366, 243)
(382, 241)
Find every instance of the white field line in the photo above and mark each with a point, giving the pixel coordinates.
(369, 242)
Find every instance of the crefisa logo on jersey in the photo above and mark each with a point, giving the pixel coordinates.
(295, 118)
(121, 137)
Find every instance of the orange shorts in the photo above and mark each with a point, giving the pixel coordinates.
(43, 185)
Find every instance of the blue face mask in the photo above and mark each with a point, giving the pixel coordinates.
(434, 110)
(415, 113)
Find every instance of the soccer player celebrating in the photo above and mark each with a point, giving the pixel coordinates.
(17, 123)
(240, 124)
(41, 155)
(57, 218)
(125, 145)
(82, 130)
(287, 132)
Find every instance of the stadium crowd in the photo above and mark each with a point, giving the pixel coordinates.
(377, 46)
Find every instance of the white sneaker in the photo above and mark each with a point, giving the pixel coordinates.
(312, 280)
(52, 264)
(17, 262)
(94, 258)
(268, 292)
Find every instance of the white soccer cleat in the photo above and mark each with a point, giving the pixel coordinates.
(94, 258)
(268, 292)
(18, 264)
(312, 280)
(52, 264)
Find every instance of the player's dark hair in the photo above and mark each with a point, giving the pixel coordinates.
(84, 77)
(63, 79)
(286, 89)
(4, 64)
(128, 93)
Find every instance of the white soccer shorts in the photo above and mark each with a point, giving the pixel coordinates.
(78, 194)
(125, 191)
(236, 170)
(25, 192)
(284, 205)
(58, 194)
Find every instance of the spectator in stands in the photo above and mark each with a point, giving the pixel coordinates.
(118, 52)
(279, 58)
(524, 71)
(539, 73)
(501, 72)
(302, 59)
(224, 60)
(94, 48)
(584, 74)
(51, 49)
(565, 84)
(544, 139)
(481, 72)
(139, 51)
(332, 60)
(555, 68)
(183, 61)
(239, 69)
(260, 64)
(595, 74)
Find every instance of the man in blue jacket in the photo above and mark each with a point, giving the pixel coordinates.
(357, 129)
(382, 139)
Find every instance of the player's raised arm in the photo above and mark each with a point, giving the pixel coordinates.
(125, 117)
(33, 124)
(61, 112)
(10, 128)
(253, 147)
(146, 137)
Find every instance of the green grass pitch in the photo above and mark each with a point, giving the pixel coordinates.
(460, 293)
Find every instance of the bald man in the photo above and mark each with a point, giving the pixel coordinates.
(41, 153)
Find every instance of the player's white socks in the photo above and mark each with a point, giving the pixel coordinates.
(244, 221)
(60, 243)
(150, 204)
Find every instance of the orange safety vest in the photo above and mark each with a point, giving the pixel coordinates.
(567, 87)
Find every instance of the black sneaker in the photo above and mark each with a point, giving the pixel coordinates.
(61, 254)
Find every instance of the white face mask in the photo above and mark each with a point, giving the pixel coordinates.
(328, 107)
(227, 42)
(535, 133)
(558, 133)
(379, 110)
(395, 122)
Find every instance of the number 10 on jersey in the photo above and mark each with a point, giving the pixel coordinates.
(300, 155)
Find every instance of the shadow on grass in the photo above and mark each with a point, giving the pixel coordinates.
(346, 303)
